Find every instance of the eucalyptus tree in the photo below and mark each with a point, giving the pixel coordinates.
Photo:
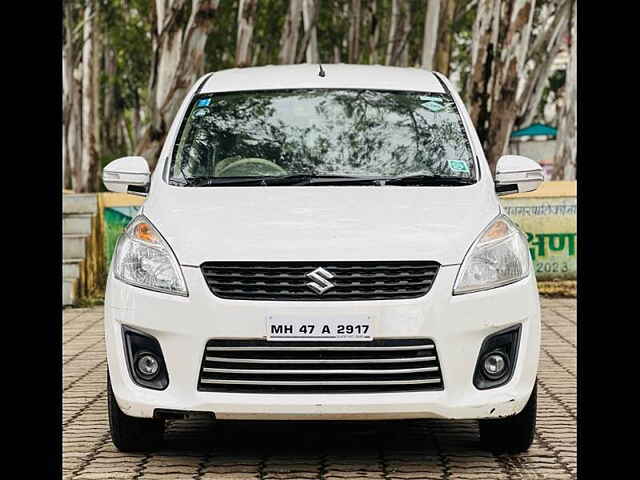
(289, 37)
(246, 22)
(567, 140)
(126, 64)
(508, 59)
(178, 60)
(80, 96)
(430, 37)
(399, 29)
(71, 95)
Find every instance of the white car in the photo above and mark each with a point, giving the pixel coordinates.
(322, 243)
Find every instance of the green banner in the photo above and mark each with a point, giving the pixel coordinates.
(550, 224)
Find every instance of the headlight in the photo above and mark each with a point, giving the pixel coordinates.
(144, 259)
(498, 257)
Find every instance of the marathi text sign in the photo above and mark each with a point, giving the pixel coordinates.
(550, 225)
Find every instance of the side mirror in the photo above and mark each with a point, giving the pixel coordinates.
(127, 175)
(517, 174)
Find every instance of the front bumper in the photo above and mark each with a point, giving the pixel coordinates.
(457, 324)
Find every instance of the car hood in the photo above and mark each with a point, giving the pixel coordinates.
(313, 223)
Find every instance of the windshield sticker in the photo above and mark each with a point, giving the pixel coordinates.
(200, 112)
(433, 106)
(459, 166)
(203, 102)
(426, 98)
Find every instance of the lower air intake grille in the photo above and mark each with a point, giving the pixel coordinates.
(258, 366)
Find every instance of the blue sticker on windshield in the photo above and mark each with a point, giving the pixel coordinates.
(203, 102)
(459, 166)
(433, 106)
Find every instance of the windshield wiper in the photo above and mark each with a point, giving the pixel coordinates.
(225, 181)
(428, 180)
(322, 180)
(310, 179)
(289, 180)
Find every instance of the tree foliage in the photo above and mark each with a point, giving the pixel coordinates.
(131, 117)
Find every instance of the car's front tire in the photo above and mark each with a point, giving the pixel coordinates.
(511, 434)
(132, 434)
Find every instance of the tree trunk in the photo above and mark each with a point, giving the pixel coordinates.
(88, 138)
(565, 167)
(483, 38)
(289, 38)
(393, 27)
(444, 43)
(542, 54)
(68, 154)
(373, 23)
(178, 62)
(406, 30)
(538, 78)
(501, 34)
(74, 133)
(65, 121)
(72, 102)
(354, 31)
(246, 22)
(397, 32)
(309, 45)
(432, 18)
(109, 108)
(515, 22)
(94, 169)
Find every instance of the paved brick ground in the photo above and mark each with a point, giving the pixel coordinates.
(430, 449)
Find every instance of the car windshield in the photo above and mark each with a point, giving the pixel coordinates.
(321, 132)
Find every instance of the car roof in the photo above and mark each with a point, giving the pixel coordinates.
(278, 77)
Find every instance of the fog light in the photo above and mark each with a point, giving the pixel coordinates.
(147, 365)
(495, 365)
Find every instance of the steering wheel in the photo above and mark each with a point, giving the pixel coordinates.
(241, 167)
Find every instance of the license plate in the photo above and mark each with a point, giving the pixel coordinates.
(353, 327)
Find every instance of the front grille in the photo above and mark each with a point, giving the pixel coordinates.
(258, 366)
(288, 280)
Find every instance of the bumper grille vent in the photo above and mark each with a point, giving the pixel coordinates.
(258, 366)
(348, 280)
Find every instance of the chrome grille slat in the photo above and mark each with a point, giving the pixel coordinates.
(351, 280)
(316, 348)
(304, 383)
(313, 361)
(321, 372)
(259, 366)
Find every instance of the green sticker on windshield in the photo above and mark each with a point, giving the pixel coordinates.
(433, 106)
(459, 166)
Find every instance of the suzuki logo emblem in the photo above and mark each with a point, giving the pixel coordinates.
(320, 283)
